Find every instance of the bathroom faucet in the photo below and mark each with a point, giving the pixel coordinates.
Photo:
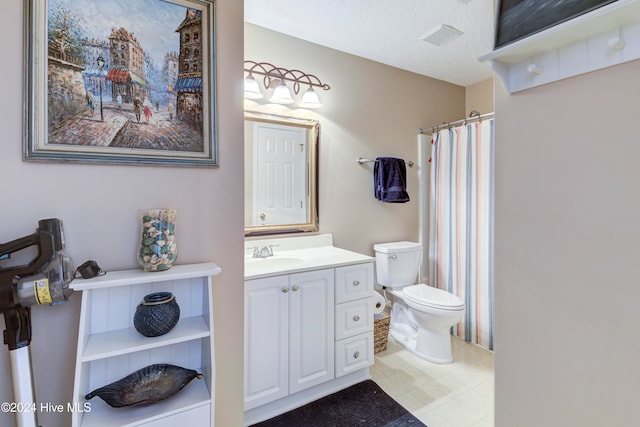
(264, 252)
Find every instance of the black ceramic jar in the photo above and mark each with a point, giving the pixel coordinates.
(156, 314)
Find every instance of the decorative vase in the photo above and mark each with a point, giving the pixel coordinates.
(156, 314)
(158, 250)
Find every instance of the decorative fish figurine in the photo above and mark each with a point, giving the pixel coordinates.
(147, 385)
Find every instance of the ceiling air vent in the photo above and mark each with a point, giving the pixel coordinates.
(441, 35)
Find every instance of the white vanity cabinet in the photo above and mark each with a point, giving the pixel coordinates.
(109, 347)
(289, 335)
(308, 321)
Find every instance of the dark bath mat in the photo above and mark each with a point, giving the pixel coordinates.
(364, 404)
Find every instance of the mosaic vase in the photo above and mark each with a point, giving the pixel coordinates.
(158, 250)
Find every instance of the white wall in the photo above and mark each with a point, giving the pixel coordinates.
(371, 110)
(567, 287)
(479, 97)
(98, 205)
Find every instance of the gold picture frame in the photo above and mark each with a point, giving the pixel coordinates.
(261, 205)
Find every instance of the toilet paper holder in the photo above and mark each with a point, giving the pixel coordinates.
(379, 303)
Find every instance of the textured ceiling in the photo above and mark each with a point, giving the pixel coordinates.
(389, 31)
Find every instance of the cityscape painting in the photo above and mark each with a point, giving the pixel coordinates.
(518, 19)
(121, 81)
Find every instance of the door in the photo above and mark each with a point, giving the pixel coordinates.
(280, 174)
(266, 336)
(311, 329)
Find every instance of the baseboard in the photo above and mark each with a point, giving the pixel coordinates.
(280, 406)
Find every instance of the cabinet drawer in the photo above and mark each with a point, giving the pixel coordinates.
(354, 353)
(353, 318)
(354, 282)
(200, 416)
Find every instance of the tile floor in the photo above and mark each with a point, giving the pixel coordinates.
(459, 394)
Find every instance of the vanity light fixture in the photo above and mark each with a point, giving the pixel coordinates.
(310, 99)
(277, 76)
(281, 94)
(251, 88)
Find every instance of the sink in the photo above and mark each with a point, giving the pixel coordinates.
(297, 254)
(275, 262)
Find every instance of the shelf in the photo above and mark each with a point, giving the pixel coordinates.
(194, 394)
(578, 46)
(109, 347)
(137, 276)
(123, 341)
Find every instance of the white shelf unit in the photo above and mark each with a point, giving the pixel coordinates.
(109, 347)
(604, 37)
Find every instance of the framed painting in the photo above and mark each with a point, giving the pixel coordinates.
(120, 81)
(518, 19)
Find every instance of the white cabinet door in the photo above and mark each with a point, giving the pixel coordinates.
(311, 329)
(266, 340)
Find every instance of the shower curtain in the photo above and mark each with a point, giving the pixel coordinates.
(461, 224)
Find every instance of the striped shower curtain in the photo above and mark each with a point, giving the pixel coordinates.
(461, 224)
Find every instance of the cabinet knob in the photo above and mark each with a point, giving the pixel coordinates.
(356, 282)
(285, 290)
(356, 318)
(295, 288)
(356, 354)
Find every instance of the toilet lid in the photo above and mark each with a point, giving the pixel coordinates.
(433, 297)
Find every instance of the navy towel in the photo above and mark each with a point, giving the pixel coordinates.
(390, 177)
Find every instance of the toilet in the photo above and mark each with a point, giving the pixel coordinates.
(421, 315)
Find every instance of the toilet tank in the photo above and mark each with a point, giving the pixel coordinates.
(397, 263)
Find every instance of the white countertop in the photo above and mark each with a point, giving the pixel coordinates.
(289, 258)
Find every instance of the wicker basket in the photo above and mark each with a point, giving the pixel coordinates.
(380, 332)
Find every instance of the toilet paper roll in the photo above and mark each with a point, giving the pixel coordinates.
(378, 303)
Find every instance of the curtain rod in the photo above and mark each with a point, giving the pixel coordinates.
(473, 116)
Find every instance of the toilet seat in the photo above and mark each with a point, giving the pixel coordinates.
(429, 296)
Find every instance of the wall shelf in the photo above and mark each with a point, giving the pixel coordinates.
(604, 37)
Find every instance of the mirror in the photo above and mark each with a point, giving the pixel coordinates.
(281, 193)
